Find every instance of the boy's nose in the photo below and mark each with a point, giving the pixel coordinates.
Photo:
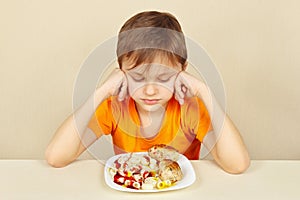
(150, 89)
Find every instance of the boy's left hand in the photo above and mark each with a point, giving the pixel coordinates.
(186, 86)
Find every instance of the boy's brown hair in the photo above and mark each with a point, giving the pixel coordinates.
(149, 34)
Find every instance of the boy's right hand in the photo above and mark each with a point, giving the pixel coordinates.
(116, 84)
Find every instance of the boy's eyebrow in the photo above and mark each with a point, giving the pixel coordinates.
(139, 70)
(167, 73)
(135, 73)
(162, 74)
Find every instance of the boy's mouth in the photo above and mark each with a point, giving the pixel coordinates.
(150, 101)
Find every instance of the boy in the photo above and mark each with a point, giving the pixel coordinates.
(151, 100)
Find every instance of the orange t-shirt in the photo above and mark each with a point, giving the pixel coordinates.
(183, 127)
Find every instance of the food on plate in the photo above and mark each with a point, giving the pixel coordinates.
(162, 151)
(147, 171)
(169, 170)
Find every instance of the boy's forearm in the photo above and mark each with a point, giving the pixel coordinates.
(82, 116)
(229, 150)
(67, 141)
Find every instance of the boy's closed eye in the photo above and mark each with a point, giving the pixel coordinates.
(137, 77)
(164, 77)
(160, 78)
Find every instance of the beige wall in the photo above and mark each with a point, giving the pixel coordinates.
(255, 45)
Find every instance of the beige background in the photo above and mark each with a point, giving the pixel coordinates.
(254, 44)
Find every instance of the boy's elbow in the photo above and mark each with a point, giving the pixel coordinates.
(240, 166)
(55, 163)
(55, 160)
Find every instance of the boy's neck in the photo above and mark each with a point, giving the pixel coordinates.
(151, 124)
(151, 121)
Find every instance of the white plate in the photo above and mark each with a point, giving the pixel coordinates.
(188, 179)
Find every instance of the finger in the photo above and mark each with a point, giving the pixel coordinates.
(183, 80)
(185, 87)
(178, 89)
(184, 84)
(179, 93)
(123, 91)
(176, 97)
(180, 100)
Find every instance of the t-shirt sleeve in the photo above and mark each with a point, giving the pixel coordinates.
(101, 121)
(196, 119)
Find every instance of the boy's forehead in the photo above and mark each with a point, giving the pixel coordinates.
(129, 64)
(157, 64)
(153, 68)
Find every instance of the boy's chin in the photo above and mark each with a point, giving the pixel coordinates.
(152, 108)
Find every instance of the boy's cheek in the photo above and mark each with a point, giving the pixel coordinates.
(168, 85)
(133, 87)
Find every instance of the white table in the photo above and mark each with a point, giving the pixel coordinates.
(34, 179)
